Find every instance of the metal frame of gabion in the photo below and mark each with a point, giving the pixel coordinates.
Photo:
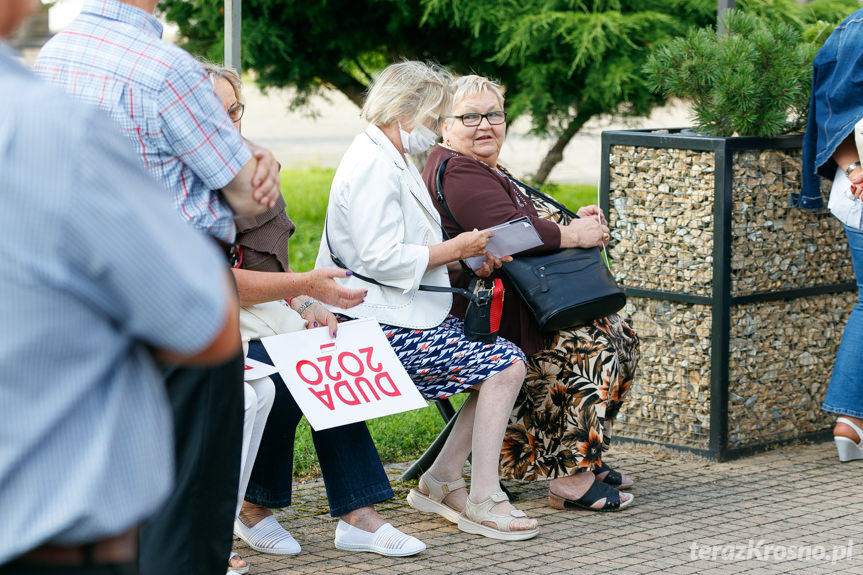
(721, 300)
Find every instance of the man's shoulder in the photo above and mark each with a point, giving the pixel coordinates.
(36, 105)
(117, 43)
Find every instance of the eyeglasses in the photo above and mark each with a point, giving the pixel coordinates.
(236, 112)
(473, 119)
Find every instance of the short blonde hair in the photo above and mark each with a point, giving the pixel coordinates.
(408, 90)
(215, 72)
(471, 85)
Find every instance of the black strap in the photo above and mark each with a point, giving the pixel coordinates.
(546, 197)
(341, 264)
(440, 197)
(530, 191)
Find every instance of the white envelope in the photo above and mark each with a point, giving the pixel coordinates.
(509, 238)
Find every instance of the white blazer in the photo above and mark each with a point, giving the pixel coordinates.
(381, 221)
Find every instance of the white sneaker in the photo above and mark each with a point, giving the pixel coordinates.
(267, 536)
(387, 540)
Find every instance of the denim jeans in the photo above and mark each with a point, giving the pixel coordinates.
(352, 470)
(845, 393)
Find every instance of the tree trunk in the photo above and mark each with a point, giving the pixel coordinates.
(350, 87)
(555, 154)
(354, 93)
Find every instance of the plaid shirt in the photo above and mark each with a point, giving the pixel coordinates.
(112, 56)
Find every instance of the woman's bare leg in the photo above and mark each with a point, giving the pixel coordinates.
(496, 398)
(479, 429)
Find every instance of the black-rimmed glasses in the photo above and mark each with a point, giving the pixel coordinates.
(473, 119)
(236, 113)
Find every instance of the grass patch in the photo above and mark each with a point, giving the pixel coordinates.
(573, 196)
(306, 192)
(399, 437)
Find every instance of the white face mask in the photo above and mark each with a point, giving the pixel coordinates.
(418, 140)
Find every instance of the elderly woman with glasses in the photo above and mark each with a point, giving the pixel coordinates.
(383, 226)
(576, 378)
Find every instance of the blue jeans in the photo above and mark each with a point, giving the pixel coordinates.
(845, 392)
(352, 470)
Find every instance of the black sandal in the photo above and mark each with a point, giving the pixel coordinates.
(597, 491)
(613, 478)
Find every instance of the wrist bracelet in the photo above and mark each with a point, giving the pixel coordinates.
(306, 304)
(851, 168)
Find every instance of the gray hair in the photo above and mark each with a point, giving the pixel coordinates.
(215, 72)
(471, 85)
(408, 90)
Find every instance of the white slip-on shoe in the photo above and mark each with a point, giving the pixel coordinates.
(267, 536)
(387, 540)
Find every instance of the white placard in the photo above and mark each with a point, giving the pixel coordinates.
(355, 377)
(509, 238)
(257, 370)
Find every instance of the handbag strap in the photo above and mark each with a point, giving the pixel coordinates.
(336, 260)
(440, 197)
(531, 191)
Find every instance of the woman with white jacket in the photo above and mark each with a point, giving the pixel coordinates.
(381, 224)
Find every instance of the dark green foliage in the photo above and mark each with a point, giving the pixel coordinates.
(752, 79)
(829, 10)
(567, 61)
(312, 46)
(562, 61)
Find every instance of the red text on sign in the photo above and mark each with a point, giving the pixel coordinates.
(342, 378)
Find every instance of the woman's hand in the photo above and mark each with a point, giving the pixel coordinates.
(584, 233)
(856, 178)
(316, 315)
(265, 180)
(490, 264)
(472, 244)
(465, 245)
(321, 285)
(591, 212)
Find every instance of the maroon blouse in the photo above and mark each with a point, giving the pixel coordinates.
(481, 197)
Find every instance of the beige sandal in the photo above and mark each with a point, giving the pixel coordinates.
(433, 502)
(475, 514)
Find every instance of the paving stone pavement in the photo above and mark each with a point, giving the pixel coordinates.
(794, 509)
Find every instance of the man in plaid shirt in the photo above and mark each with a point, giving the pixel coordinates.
(112, 56)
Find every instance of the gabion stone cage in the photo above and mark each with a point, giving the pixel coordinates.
(739, 299)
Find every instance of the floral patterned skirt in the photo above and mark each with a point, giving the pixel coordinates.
(561, 422)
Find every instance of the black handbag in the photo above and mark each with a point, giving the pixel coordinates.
(485, 296)
(482, 318)
(563, 289)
